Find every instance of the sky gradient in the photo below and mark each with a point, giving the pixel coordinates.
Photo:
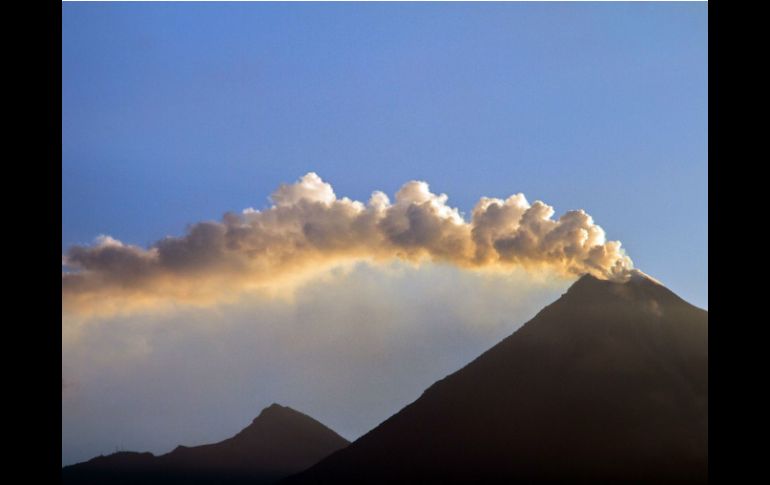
(176, 113)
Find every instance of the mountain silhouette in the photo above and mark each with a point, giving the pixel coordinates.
(278, 442)
(608, 384)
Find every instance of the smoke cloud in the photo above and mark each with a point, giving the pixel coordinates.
(309, 228)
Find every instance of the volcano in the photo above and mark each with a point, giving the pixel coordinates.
(608, 384)
(278, 442)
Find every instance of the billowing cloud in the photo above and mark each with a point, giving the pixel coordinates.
(308, 227)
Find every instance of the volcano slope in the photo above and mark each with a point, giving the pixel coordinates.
(608, 384)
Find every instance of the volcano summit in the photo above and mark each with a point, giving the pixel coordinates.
(609, 384)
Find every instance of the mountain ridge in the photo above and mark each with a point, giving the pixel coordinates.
(608, 384)
(278, 442)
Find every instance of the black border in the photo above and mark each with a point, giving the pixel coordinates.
(37, 386)
(32, 186)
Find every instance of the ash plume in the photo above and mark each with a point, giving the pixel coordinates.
(309, 227)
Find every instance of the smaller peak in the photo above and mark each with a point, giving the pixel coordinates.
(273, 410)
(275, 407)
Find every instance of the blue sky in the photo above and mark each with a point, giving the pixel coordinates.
(175, 113)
